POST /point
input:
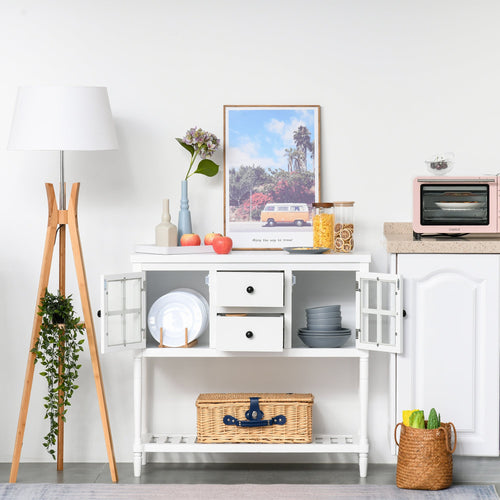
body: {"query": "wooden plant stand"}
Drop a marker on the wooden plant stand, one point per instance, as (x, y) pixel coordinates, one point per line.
(59, 219)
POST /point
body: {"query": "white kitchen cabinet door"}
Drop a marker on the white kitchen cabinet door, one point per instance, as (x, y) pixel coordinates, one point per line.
(451, 354)
(123, 322)
(378, 312)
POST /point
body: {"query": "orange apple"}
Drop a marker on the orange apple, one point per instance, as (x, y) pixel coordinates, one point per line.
(222, 244)
(209, 238)
(190, 240)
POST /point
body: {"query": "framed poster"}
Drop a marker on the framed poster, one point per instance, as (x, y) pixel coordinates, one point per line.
(271, 175)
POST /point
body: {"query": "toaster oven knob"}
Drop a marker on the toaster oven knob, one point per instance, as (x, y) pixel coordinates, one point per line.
(249, 334)
(250, 289)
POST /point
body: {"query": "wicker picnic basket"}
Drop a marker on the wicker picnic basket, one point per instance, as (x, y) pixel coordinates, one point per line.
(425, 459)
(254, 418)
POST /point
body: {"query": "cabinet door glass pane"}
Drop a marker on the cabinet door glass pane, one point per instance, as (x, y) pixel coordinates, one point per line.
(133, 327)
(370, 293)
(115, 295)
(388, 330)
(115, 331)
(370, 328)
(388, 299)
(133, 293)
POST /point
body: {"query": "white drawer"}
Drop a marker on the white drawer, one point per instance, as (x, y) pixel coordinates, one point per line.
(249, 333)
(249, 289)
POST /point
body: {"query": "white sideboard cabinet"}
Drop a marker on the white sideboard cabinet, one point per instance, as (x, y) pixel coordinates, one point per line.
(450, 359)
(265, 292)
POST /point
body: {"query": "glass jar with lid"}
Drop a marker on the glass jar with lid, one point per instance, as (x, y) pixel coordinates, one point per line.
(344, 226)
(323, 220)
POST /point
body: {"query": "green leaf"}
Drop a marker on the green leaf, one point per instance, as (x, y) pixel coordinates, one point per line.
(433, 420)
(207, 167)
(417, 419)
(186, 146)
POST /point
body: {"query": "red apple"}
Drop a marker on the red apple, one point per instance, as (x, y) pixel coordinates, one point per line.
(222, 244)
(209, 238)
(190, 240)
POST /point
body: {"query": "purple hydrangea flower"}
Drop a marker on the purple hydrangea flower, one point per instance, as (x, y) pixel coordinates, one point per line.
(204, 145)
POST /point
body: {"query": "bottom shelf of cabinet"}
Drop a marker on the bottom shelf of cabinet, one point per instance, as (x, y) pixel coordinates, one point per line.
(321, 443)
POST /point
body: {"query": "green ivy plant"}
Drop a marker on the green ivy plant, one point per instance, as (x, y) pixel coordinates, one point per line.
(59, 343)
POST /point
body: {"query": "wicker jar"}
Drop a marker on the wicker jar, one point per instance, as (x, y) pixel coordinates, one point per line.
(425, 459)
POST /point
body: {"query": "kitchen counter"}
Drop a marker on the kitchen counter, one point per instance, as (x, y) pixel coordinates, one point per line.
(399, 237)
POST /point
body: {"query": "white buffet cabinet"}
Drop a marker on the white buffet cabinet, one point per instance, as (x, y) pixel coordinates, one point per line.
(281, 287)
(451, 356)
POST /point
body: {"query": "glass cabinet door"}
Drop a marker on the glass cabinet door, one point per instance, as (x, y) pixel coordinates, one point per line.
(379, 312)
(123, 323)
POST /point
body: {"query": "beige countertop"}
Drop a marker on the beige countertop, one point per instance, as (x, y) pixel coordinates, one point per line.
(399, 237)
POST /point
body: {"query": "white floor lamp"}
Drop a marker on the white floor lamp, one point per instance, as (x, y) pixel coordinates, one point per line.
(63, 119)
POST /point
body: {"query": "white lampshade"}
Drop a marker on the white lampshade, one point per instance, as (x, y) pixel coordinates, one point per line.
(63, 119)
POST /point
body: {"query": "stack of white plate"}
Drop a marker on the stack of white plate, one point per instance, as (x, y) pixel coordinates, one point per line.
(324, 327)
(174, 312)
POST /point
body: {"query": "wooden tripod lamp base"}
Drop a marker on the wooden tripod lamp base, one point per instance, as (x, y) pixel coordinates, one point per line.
(62, 218)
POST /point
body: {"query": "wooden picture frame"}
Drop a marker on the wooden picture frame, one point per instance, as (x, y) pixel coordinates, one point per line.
(271, 175)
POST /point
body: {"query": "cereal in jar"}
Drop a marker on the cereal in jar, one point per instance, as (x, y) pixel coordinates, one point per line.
(323, 221)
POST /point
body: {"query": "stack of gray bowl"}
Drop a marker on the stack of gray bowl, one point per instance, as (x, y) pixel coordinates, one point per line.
(324, 327)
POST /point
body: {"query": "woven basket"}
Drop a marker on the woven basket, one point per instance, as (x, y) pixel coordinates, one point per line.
(273, 418)
(425, 459)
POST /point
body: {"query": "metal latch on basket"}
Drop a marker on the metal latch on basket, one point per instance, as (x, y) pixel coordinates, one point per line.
(254, 417)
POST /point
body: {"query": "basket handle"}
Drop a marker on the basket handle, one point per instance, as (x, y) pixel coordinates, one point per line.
(395, 429)
(446, 438)
(254, 417)
(445, 433)
(278, 420)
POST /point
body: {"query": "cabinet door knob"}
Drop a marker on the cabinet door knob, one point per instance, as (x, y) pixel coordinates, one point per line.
(250, 289)
(99, 313)
(404, 313)
(249, 334)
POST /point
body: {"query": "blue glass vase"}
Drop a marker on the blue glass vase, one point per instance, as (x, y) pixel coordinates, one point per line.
(184, 222)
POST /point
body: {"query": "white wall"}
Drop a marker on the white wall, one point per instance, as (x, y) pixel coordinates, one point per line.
(397, 81)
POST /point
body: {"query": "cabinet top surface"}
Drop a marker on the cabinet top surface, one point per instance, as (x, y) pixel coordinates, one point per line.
(399, 238)
(252, 257)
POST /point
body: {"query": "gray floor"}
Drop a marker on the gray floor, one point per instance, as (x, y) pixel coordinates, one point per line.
(466, 470)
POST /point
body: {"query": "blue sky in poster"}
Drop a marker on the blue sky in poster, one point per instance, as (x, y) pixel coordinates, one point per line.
(259, 136)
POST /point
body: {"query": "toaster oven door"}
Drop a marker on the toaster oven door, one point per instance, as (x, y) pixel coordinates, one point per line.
(458, 205)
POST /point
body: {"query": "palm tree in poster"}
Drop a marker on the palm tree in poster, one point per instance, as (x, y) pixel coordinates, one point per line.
(290, 154)
(302, 138)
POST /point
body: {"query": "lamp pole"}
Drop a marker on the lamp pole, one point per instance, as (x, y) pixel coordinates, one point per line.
(62, 291)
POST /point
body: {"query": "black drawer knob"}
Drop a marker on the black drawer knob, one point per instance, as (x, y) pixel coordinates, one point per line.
(99, 313)
(250, 289)
(249, 334)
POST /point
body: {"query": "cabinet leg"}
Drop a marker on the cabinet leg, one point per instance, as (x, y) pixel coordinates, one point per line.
(144, 458)
(363, 464)
(137, 464)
